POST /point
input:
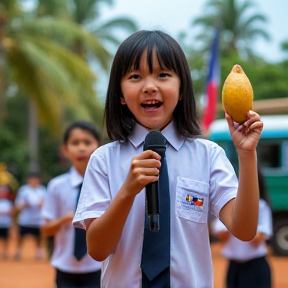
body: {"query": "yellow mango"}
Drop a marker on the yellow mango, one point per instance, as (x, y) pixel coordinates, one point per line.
(237, 94)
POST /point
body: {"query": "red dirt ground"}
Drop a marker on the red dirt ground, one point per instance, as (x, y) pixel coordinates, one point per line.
(31, 273)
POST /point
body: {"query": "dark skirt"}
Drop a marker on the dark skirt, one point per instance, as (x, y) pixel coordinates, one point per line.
(254, 273)
(81, 280)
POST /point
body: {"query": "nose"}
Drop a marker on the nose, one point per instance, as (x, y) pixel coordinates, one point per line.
(82, 146)
(149, 87)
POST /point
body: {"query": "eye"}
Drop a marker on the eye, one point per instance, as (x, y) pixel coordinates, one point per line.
(75, 142)
(134, 77)
(164, 75)
(87, 142)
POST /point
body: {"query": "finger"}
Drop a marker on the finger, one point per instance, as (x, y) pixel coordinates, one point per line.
(252, 117)
(150, 171)
(230, 122)
(149, 154)
(146, 175)
(145, 163)
(256, 126)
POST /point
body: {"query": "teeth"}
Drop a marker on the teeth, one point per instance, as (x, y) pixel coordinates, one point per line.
(151, 102)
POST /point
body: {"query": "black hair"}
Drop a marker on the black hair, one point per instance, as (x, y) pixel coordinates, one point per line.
(33, 174)
(84, 125)
(118, 118)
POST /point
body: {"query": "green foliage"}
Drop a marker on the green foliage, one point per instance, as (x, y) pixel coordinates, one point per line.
(237, 26)
(45, 70)
(13, 138)
(14, 146)
(44, 56)
(238, 30)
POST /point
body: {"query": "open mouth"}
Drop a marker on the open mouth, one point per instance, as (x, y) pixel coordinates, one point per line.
(151, 104)
(81, 158)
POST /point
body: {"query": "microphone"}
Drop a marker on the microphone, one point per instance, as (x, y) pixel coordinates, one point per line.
(156, 142)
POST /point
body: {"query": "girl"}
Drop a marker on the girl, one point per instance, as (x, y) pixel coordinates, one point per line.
(248, 266)
(28, 203)
(80, 140)
(150, 88)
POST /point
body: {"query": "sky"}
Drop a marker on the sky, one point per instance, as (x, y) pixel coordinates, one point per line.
(174, 16)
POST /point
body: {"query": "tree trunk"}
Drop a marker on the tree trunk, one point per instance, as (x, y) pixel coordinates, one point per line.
(33, 138)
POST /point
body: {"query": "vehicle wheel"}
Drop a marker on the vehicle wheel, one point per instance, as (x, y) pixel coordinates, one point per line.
(279, 241)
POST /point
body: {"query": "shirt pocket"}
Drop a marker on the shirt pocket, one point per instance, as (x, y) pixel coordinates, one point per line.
(192, 200)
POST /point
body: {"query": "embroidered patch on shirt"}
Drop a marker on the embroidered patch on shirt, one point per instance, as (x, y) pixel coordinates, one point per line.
(192, 200)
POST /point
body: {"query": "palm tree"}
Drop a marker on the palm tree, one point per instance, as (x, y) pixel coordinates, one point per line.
(237, 26)
(34, 55)
(87, 14)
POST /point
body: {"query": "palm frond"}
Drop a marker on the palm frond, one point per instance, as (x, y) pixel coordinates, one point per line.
(66, 33)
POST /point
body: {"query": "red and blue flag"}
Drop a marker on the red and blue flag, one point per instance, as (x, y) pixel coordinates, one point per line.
(212, 85)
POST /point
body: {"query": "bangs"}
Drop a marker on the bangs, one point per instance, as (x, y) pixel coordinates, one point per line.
(149, 42)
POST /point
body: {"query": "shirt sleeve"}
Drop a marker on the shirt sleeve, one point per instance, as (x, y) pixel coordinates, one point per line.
(50, 209)
(95, 195)
(223, 180)
(265, 219)
(20, 198)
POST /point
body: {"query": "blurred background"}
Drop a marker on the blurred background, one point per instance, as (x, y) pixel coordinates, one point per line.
(55, 59)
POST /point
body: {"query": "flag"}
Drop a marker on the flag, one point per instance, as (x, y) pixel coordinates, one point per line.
(212, 85)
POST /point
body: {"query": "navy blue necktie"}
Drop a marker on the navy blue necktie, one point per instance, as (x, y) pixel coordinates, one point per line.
(80, 246)
(155, 263)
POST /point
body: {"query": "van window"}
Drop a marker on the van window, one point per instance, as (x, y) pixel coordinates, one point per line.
(269, 155)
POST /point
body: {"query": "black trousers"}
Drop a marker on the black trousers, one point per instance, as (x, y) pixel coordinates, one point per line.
(254, 273)
(73, 280)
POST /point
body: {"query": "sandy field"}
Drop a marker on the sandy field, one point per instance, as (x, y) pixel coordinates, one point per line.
(29, 272)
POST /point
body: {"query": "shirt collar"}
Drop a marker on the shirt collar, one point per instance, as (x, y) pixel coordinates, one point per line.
(139, 133)
(75, 178)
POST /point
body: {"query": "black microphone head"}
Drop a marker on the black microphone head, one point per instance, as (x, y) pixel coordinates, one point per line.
(154, 141)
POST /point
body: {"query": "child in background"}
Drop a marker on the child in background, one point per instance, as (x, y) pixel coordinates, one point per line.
(248, 266)
(8, 189)
(150, 88)
(6, 212)
(80, 140)
(28, 204)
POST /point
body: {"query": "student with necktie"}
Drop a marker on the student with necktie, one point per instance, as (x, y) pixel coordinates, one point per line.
(74, 267)
(150, 89)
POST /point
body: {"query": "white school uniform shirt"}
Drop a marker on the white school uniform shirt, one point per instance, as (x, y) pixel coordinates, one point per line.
(60, 200)
(5, 216)
(196, 167)
(30, 216)
(235, 249)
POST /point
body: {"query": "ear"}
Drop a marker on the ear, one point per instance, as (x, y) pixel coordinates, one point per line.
(64, 150)
(122, 100)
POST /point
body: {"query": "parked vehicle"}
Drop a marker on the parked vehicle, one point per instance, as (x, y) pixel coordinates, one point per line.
(272, 152)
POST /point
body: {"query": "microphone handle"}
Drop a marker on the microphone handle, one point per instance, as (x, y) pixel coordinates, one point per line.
(152, 198)
(153, 206)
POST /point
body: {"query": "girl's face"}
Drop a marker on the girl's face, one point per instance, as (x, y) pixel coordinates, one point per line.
(80, 145)
(34, 181)
(151, 97)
